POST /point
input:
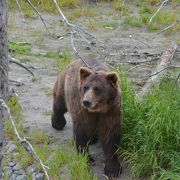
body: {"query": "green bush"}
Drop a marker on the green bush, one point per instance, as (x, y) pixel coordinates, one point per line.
(151, 131)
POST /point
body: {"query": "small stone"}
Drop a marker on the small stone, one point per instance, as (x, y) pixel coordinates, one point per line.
(11, 148)
(16, 167)
(38, 176)
(21, 177)
(13, 177)
(17, 172)
(9, 171)
(11, 164)
(31, 169)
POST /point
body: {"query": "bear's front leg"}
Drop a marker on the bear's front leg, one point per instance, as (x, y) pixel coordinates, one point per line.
(112, 165)
(58, 120)
(82, 140)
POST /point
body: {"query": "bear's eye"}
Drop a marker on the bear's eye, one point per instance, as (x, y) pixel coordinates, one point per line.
(85, 88)
(97, 90)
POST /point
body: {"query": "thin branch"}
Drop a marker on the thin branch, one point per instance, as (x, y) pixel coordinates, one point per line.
(16, 82)
(61, 14)
(123, 3)
(19, 7)
(15, 61)
(168, 27)
(137, 66)
(158, 72)
(160, 7)
(133, 62)
(29, 148)
(177, 78)
(30, 3)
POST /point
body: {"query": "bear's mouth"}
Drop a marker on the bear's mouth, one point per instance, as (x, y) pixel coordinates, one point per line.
(100, 109)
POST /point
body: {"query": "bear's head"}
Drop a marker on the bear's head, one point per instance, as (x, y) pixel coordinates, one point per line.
(98, 89)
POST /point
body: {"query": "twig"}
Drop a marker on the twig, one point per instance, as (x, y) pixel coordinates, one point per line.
(133, 62)
(158, 72)
(76, 52)
(16, 82)
(160, 7)
(123, 3)
(30, 3)
(19, 7)
(136, 66)
(29, 148)
(168, 27)
(15, 61)
(177, 78)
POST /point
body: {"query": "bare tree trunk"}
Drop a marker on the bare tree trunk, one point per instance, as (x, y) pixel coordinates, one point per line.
(3, 76)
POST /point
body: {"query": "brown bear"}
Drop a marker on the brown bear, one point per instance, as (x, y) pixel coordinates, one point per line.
(92, 97)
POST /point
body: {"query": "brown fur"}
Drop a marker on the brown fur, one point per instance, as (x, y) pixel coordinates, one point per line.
(79, 87)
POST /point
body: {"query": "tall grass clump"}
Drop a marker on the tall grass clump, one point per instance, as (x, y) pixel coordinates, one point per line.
(151, 131)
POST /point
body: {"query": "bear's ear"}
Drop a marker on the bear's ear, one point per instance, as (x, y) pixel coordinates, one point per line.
(113, 78)
(84, 73)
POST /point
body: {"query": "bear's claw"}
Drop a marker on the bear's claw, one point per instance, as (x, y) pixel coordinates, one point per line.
(113, 169)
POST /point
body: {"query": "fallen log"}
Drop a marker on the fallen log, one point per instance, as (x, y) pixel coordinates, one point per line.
(160, 70)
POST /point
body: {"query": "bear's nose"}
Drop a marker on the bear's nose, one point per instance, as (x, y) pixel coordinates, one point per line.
(87, 103)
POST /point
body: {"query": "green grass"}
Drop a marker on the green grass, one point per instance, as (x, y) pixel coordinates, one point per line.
(151, 135)
(43, 5)
(63, 60)
(133, 21)
(110, 25)
(119, 6)
(67, 159)
(19, 48)
(163, 19)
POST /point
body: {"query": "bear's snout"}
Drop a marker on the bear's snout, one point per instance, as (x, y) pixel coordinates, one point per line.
(87, 103)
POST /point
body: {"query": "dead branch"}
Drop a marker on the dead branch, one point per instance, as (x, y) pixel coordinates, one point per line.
(26, 67)
(137, 66)
(177, 78)
(123, 3)
(29, 148)
(160, 7)
(35, 9)
(19, 7)
(16, 82)
(132, 62)
(160, 69)
(168, 27)
(169, 67)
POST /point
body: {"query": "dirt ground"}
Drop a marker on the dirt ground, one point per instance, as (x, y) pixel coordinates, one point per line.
(36, 96)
